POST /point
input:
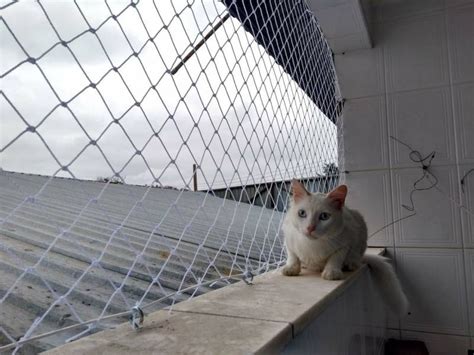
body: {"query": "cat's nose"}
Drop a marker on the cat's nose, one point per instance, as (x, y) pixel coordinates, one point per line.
(311, 228)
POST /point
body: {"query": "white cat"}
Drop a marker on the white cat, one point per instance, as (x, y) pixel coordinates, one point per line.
(322, 234)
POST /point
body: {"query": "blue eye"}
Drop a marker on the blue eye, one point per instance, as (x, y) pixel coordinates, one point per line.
(324, 216)
(302, 213)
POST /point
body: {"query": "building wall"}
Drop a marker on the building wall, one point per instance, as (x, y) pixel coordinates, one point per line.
(274, 195)
(417, 84)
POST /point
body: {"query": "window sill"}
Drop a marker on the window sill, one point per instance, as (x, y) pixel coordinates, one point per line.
(238, 318)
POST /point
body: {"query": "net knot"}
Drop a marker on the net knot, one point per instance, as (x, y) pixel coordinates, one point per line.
(95, 263)
(248, 277)
(136, 317)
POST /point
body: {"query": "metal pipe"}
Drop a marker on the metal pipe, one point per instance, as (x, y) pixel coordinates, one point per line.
(208, 35)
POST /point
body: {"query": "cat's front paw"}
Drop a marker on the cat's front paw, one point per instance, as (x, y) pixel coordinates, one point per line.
(332, 274)
(291, 270)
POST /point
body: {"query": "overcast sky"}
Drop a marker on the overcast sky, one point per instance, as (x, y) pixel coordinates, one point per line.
(252, 104)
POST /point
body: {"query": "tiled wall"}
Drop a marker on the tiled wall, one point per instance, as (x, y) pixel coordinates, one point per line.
(417, 84)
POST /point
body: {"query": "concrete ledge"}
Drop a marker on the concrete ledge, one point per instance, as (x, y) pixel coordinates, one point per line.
(236, 319)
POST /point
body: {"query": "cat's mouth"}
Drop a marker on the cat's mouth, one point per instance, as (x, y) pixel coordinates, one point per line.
(311, 235)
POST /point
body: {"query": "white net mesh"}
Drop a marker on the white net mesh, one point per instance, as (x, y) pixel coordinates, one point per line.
(112, 113)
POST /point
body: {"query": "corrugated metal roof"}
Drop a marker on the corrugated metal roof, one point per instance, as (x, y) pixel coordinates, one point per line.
(59, 226)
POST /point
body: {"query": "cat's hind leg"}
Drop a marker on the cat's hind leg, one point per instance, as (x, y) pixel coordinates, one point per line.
(293, 265)
(353, 261)
(352, 265)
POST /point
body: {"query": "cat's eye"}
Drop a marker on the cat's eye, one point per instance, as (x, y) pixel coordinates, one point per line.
(324, 216)
(302, 213)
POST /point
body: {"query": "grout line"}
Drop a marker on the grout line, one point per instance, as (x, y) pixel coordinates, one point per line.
(457, 148)
(389, 168)
(468, 3)
(401, 168)
(228, 316)
(430, 247)
(391, 228)
(386, 92)
(388, 131)
(436, 333)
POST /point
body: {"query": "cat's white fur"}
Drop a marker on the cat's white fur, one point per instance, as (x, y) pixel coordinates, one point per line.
(330, 237)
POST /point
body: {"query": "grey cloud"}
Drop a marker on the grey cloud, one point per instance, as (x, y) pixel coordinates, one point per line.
(248, 120)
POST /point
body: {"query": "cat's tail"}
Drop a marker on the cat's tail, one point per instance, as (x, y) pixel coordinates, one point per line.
(387, 284)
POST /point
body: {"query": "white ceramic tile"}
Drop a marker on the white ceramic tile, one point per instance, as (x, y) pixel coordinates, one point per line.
(455, 3)
(318, 338)
(365, 134)
(390, 10)
(360, 73)
(394, 334)
(433, 280)
(440, 344)
(415, 53)
(365, 317)
(467, 209)
(464, 112)
(437, 221)
(469, 260)
(363, 187)
(423, 120)
(375, 311)
(393, 322)
(357, 300)
(354, 305)
(461, 38)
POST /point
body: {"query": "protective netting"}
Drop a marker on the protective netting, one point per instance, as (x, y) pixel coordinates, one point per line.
(112, 113)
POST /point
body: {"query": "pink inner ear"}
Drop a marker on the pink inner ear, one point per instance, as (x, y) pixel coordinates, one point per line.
(298, 190)
(338, 195)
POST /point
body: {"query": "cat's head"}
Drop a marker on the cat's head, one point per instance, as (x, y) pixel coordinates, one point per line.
(316, 214)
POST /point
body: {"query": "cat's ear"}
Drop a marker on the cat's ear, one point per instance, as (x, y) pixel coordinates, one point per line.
(338, 196)
(298, 190)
